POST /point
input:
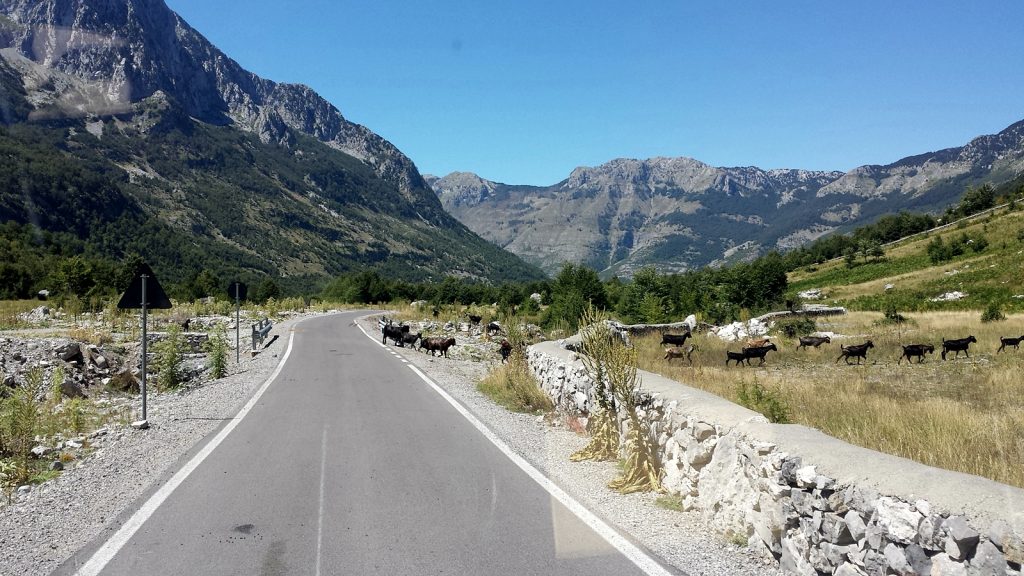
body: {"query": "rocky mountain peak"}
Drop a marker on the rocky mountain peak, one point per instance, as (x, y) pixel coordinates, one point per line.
(462, 189)
(127, 50)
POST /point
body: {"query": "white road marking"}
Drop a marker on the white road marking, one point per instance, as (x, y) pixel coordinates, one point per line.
(631, 551)
(320, 513)
(110, 548)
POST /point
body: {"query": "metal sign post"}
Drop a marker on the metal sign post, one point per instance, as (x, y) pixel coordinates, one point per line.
(144, 344)
(239, 290)
(238, 349)
(144, 292)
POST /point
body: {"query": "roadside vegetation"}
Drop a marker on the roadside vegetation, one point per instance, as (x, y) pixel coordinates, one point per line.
(36, 409)
(512, 383)
(964, 414)
(37, 413)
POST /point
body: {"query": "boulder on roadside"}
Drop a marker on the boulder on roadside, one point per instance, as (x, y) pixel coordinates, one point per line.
(125, 381)
(71, 352)
(71, 389)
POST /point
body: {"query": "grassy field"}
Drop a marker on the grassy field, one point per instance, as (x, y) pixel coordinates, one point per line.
(965, 414)
(993, 274)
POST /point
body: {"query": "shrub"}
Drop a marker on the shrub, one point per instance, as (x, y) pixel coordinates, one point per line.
(795, 326)
(217, 346)
(75, 415)
(21, 417)
(170, 358)
(993, 313)
(768, 402)
(892, 315)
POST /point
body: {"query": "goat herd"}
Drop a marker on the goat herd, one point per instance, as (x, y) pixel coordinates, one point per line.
(402, 336)
(760, 347)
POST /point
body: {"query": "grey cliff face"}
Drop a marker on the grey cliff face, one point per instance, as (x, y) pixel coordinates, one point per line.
(679, 213)
(128, 50)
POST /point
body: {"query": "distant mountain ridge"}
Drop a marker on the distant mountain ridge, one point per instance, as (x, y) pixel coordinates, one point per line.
(680, 213)
(136, 76)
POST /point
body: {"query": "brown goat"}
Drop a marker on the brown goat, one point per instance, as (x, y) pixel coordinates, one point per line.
(671, 353)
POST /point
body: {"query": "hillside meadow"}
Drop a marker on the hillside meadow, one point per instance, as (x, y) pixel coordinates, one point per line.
(963, 414)
(991, 274)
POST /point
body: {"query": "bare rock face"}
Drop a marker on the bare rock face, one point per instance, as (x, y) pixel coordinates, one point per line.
(124, 51)
(680, 213)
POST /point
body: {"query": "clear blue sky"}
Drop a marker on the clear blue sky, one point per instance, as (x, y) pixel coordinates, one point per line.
(523, 92)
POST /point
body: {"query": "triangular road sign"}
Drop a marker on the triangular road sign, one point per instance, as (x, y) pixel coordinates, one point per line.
(155, 295)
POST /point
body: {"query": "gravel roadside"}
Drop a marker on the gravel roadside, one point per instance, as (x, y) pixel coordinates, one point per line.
(682, 539)
(45, 527)
(42, 529)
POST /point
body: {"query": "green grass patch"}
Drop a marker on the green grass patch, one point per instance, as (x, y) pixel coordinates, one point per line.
(670, 502)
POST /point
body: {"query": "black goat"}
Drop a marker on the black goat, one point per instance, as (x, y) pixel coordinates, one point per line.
(959, 345)
(1009, 341)
(674, 339)
(857, 351)
(918, 350)
(814, 341)
(758, 352)
(735, 356)
(393, 332)
(474, 319)
(410, 339)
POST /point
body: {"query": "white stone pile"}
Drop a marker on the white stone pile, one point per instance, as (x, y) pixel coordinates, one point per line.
(742, 330)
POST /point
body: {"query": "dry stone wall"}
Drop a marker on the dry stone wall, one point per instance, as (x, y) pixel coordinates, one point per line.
(813, 503)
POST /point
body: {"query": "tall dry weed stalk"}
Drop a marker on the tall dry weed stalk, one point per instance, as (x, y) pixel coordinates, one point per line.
(603, 424)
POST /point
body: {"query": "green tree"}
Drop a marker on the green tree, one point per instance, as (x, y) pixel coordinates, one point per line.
(574, 287)
(643, 299)
(74, 276)
(266, 290)
(206, 284)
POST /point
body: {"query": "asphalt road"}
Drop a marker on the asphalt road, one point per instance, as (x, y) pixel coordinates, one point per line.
(349, 463)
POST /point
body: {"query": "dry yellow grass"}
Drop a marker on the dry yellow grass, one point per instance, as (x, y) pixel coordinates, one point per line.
(965, 414)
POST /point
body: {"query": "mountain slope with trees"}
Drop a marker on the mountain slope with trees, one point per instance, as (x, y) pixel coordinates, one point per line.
(127, 135)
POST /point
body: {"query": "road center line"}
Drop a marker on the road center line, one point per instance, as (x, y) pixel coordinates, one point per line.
(320, 513)
(111, 547)
(641, 559)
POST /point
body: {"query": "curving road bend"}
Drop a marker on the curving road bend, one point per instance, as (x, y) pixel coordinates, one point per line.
(350, 463)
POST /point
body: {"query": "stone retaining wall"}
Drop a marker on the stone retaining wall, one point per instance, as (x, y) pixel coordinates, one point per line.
(815, 504)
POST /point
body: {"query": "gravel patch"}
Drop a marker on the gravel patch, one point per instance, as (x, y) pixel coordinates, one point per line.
(682, 539)
(41, 529)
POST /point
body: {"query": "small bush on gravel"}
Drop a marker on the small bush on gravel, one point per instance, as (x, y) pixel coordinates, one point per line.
(20, 418)
(670, 502)
(513, 386)
(217, 346)
(170, 358)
